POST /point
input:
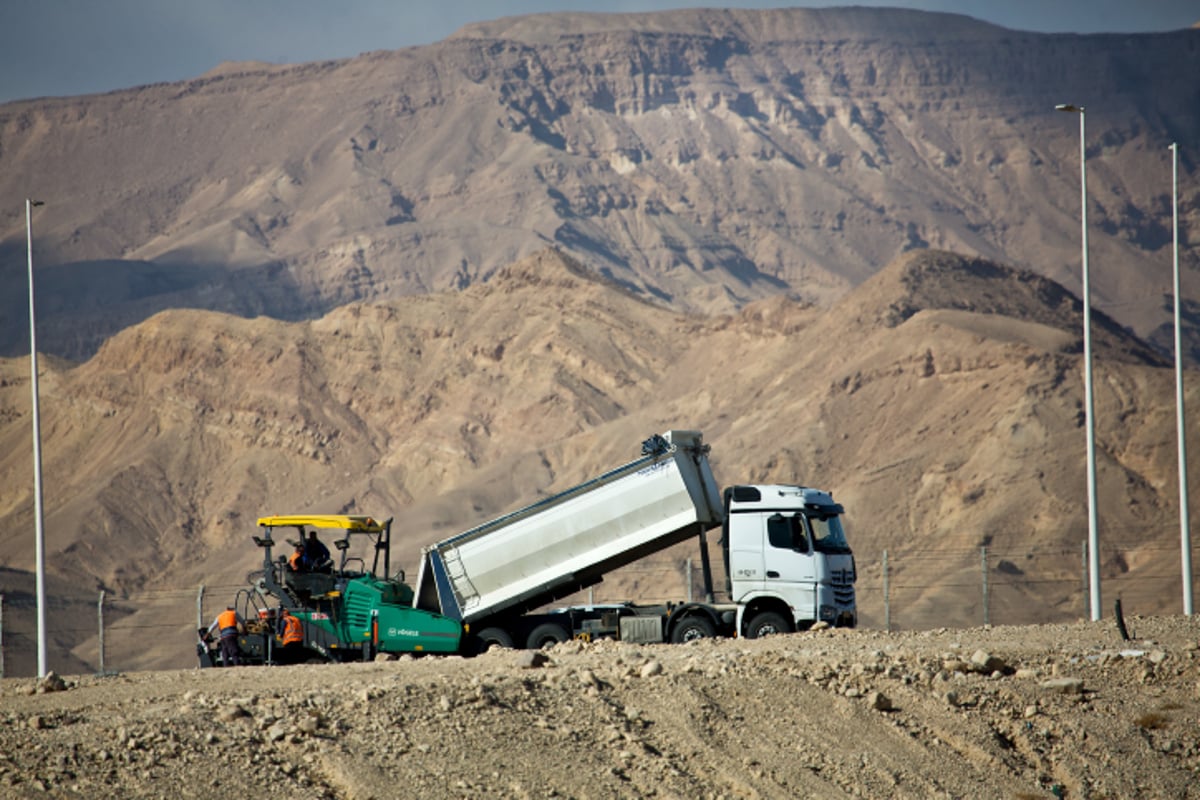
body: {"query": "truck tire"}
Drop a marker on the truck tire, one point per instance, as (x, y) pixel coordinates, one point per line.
(691, 628)
(546, 634)
(767, 623)
(493, 636)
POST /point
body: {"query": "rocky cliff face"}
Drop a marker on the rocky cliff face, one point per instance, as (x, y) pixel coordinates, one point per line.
(703, 159)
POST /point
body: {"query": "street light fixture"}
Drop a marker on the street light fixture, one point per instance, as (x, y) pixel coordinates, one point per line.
(1185, 539)
(1089, 411)
(37, 454)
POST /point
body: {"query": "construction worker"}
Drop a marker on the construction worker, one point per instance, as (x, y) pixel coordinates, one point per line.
(291, 630)
(297, 562)
(317, 554)
(228, 622)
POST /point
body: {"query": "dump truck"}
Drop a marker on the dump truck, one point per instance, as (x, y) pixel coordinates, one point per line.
(347, 609)
(786, 558)
(787, 565)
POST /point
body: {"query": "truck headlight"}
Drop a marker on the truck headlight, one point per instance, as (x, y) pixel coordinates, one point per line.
(827, 613)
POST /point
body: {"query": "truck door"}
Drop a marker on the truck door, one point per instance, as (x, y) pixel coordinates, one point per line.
(746, 544)
(789, 565)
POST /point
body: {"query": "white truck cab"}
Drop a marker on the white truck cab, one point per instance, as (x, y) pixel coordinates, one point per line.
(787, 559)
(785, 555)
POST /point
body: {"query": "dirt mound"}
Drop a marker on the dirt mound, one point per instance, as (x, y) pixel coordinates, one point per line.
(1043, 711)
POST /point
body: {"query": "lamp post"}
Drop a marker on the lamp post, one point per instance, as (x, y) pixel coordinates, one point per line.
(37, 454)
(1089, 410)
(1185, 539)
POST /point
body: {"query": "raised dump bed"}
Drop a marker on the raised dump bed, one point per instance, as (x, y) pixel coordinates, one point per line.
(560, 544)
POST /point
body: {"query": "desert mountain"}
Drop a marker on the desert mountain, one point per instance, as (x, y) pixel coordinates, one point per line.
(940, 401)
(705, 158)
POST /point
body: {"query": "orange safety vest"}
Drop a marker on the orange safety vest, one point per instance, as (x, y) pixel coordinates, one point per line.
(293, 631)
(294, 561)
(227, 620)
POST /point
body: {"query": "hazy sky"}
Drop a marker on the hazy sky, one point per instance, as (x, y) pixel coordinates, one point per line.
(63, 47)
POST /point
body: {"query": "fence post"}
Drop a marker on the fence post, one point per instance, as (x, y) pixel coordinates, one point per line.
(1, 635)
(987, 620)
(689, 579)
(100, 616)
(887, 603)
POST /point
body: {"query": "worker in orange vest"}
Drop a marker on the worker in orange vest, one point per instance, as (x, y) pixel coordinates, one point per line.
(229, 624)
(291, 630)
(298, 563)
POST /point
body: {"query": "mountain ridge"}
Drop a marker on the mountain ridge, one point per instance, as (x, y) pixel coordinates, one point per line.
(704, 171)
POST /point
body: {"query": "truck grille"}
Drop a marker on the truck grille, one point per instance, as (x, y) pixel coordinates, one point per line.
(842, 581)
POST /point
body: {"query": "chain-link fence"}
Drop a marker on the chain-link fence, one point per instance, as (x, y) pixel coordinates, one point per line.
(926, 588)
(110, 633)
(906, 589)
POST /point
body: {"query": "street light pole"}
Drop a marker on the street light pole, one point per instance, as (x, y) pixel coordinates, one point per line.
(1089, 398)
(1185, 539)
(37, 453)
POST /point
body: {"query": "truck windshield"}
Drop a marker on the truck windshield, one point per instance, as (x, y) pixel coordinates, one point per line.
(828, 535)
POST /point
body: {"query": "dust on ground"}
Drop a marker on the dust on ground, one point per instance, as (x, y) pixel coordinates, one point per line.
(1019, 712)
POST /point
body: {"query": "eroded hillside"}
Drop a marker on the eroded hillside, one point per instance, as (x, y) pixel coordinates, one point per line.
(940, 401)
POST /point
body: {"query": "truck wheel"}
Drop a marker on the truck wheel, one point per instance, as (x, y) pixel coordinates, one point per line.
(545, 635)
(765, 624)
(493, 636)
(691, 628)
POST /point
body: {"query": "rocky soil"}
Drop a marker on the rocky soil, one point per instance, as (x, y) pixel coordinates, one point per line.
(1019, 712)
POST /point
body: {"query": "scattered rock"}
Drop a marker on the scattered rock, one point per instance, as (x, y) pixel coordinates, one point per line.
(879, 701)
(1063, 685)
(532, 659)
(51, 682)
(986, 663)
(231, 712)
(651, 668)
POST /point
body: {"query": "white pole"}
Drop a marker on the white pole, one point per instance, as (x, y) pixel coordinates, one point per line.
(887, 602)
(37, 455)
(987, 620)
(1185, 539)
(1093, 530)
(100, 618)
(1089, 401)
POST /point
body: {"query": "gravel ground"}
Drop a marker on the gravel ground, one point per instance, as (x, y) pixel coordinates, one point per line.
(1017, 712)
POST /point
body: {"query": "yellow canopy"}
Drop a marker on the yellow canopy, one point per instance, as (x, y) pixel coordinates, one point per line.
(348, 522)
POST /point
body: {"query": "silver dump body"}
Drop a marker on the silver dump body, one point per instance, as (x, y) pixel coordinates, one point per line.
(560, 544)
